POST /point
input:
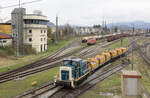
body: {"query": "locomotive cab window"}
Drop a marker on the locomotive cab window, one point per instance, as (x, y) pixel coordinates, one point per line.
(65, 63)
(74, 63)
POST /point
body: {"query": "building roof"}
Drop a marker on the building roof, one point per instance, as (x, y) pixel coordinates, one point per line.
(5, 23)
(131, 74)
(35, 16)
(5, 36)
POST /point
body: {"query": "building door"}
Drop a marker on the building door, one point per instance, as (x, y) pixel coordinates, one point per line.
(41, 47)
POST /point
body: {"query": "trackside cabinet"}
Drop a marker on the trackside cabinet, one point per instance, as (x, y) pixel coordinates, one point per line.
(131, 83)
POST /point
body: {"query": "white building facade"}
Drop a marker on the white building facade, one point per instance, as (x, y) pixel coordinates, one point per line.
(35, 31)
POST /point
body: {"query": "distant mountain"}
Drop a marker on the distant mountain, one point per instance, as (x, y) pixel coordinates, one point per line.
(50, 24)
(8, 21)
(129, 25)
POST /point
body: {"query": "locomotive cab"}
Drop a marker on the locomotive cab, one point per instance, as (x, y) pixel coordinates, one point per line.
(71, 72)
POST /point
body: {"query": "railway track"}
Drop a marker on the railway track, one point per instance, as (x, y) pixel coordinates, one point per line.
(38, 91)
(60, 92)
(35, 68)
(47, 60)
(142, 54)
(32, 69)
(98, 76)
(51, 56)
(95, 50)
(147, 61)
(92, 81)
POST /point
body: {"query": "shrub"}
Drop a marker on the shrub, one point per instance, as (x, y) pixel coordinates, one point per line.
(3, 54)
(6, 51)
(29, 50)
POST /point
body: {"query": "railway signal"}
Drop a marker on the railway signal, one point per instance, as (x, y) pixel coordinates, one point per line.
(129, 59)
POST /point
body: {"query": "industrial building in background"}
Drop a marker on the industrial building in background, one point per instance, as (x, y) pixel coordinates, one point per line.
(6, 28)
(29, 30)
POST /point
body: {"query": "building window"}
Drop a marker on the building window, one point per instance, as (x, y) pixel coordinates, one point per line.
(41, 31)
(30, 31)
(30, 39)
(44, 38)
(41, 39)
(31, 21)
(35, 21)
(4, 41)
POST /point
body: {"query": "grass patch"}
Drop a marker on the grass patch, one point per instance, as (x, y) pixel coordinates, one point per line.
(6, 51)
(13, 88)
(110, 85)
(118, 44)
(16, 63)
(83, 44)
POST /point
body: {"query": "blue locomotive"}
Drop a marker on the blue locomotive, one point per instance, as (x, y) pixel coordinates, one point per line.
(72, 72)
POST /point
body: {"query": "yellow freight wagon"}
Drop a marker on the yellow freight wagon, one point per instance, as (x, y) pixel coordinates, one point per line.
(124, 50)
(93, 63)
(6, 28)
(113, 53)
(119, 51)
(101, 59)
(107, 56)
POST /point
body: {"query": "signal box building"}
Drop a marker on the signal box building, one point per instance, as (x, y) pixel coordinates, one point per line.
(35, 31)
(30, 30)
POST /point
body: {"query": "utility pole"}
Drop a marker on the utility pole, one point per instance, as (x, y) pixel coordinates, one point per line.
(112, 27)
(132, 50)
(105, 27)
(18, 33)
(68, 31)
(121, 41)
(19, 3)
(56, 40)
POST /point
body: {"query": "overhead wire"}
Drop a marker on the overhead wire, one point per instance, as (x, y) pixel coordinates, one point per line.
(24, 3)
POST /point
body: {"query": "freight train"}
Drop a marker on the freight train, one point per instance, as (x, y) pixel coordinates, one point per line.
(75, 70)
(109, 37)
(116, 36)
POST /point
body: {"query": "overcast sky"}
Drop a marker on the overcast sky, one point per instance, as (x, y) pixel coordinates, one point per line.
(86, 12)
